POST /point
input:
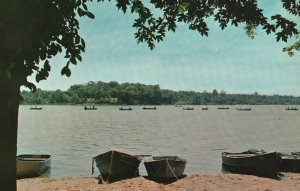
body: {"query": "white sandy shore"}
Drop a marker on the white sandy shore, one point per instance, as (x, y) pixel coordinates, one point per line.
(201, 182)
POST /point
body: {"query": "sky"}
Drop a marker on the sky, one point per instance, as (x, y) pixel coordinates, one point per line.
(225, 60)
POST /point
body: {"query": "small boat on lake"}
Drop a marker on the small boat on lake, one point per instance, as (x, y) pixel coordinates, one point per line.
(253, 162)
(165, 167)
(295, 153)
(204, 108)
(125, 108)
(223, 107)
(188, 108)
(290, 162)
(32, 165)
(291, 108)
(243, 109)
(90, 107)
(115, 165)
(36, 108)
(149, 108)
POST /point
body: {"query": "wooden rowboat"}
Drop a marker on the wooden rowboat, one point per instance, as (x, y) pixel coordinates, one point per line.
(165, 167)
(253, 162)
(31, 165)
(115, 165)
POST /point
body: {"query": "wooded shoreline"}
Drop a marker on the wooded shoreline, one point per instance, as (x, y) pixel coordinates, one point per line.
(114, 93)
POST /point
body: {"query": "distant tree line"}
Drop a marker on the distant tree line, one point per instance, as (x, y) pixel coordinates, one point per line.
(141, 94)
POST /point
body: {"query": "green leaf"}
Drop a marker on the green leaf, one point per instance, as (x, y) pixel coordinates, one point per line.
(66, 71)
(90, 15)
(47, 67)
(84, 6)
(80, 12)
(79, 57)
(73, 60)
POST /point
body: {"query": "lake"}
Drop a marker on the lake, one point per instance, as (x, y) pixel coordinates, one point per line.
(73, 136)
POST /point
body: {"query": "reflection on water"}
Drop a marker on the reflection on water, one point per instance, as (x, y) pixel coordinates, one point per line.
(73, 136)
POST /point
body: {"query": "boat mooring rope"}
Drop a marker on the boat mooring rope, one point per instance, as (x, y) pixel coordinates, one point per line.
(171, 170)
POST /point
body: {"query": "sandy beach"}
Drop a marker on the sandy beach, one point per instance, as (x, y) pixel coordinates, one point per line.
(201, 182)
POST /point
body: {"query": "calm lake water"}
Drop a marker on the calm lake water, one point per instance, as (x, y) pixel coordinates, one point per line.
(73, 136)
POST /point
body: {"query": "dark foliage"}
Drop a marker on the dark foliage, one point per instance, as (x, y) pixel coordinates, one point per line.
(140, 94)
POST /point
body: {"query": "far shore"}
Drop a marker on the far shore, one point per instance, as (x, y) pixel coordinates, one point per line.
(193, 182)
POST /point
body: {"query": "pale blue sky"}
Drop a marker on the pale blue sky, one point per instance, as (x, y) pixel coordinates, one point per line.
(225, 60)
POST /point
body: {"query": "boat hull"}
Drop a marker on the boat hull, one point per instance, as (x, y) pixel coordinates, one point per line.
(115, 165)
(259, 164)
(32, 165)
(290, 163)
(165, 167)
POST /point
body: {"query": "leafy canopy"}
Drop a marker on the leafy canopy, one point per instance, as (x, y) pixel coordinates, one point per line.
(34, 31)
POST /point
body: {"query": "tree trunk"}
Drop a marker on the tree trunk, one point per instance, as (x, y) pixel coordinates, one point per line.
(9, 108)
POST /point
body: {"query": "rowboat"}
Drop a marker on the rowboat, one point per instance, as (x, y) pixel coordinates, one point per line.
(32, 165)
(36, 108)
(115, 165)
(125, 108)
(90, 108)
(253, 162)
(223, 107)
(243, 109)
(291, 108)
(188, 108)
(153, 108)
(165, 167)
(204, 108)
(290, 162)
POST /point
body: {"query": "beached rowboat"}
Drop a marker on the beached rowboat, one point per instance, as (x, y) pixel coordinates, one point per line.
(115, 165)
(290, 162)
(31, 165)
(253, 162)
(164, 167)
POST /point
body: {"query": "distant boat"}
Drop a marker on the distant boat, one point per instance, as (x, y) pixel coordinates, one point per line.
(291, 108)
(90, 107)
(295, 153)
(153, 108)
(243, 109)
(36, 108)
(223, 107)
(178, 105)
(32, 165)
(253, 162)
(165, 167)
(188, 108)
(290, 162)
(204, 108)
(125, 108)
(115, 165)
